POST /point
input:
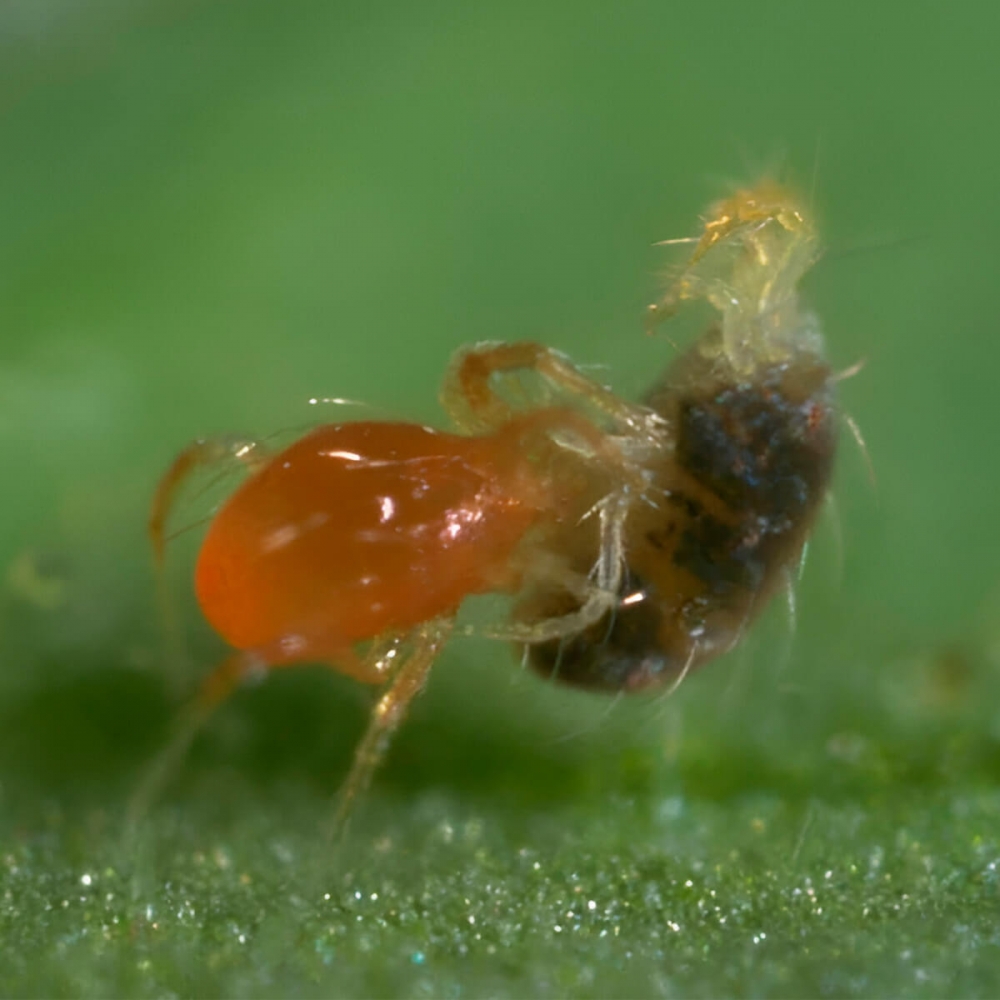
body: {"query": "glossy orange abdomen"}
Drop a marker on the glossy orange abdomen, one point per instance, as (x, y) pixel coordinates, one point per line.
(360, 529)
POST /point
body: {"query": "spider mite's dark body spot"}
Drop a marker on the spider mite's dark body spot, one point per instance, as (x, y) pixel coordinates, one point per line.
(732, 506)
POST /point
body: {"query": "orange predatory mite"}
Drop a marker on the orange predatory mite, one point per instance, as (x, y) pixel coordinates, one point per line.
(638, 540)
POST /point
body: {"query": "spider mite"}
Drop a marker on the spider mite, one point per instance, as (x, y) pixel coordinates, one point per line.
(739, 466)
(638, 540)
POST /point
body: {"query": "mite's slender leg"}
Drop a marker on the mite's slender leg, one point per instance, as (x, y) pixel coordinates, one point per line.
(389, 711)
(206, 451)
(235, 667)
(475, 406)
(598, 596)
(377, 663)
(215, 689)
(595, 606)
(380, 660)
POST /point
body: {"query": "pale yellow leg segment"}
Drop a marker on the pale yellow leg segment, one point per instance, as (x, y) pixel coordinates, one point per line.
(598, 595)
(388, 713)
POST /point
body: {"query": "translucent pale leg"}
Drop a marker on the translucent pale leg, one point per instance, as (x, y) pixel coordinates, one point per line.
(205, 451)
(198, 454)
(475, 406)
(372, 668)
(387, 715)
(215, 689)
(598, 596)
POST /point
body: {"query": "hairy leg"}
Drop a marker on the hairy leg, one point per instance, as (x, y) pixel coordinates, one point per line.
(377, 663)
(199, 454)
(203, 452)
(475, 406)
(425, 645)
(215, 689)
(598, 594)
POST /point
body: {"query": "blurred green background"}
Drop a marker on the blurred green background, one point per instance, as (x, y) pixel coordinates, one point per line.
(213, 212)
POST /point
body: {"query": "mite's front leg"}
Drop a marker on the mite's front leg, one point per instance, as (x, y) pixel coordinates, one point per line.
(476, 407)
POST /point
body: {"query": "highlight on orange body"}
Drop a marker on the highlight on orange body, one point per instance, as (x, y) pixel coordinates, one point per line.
(638, 540)
(361, 528)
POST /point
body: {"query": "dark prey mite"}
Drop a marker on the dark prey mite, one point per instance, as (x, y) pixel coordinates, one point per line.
(746, 449)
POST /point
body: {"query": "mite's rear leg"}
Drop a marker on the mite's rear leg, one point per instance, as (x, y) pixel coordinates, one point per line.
(372, 668)
(228, 674)
(475, 405)
(424, 646)
(199, 454)
(215, 689)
